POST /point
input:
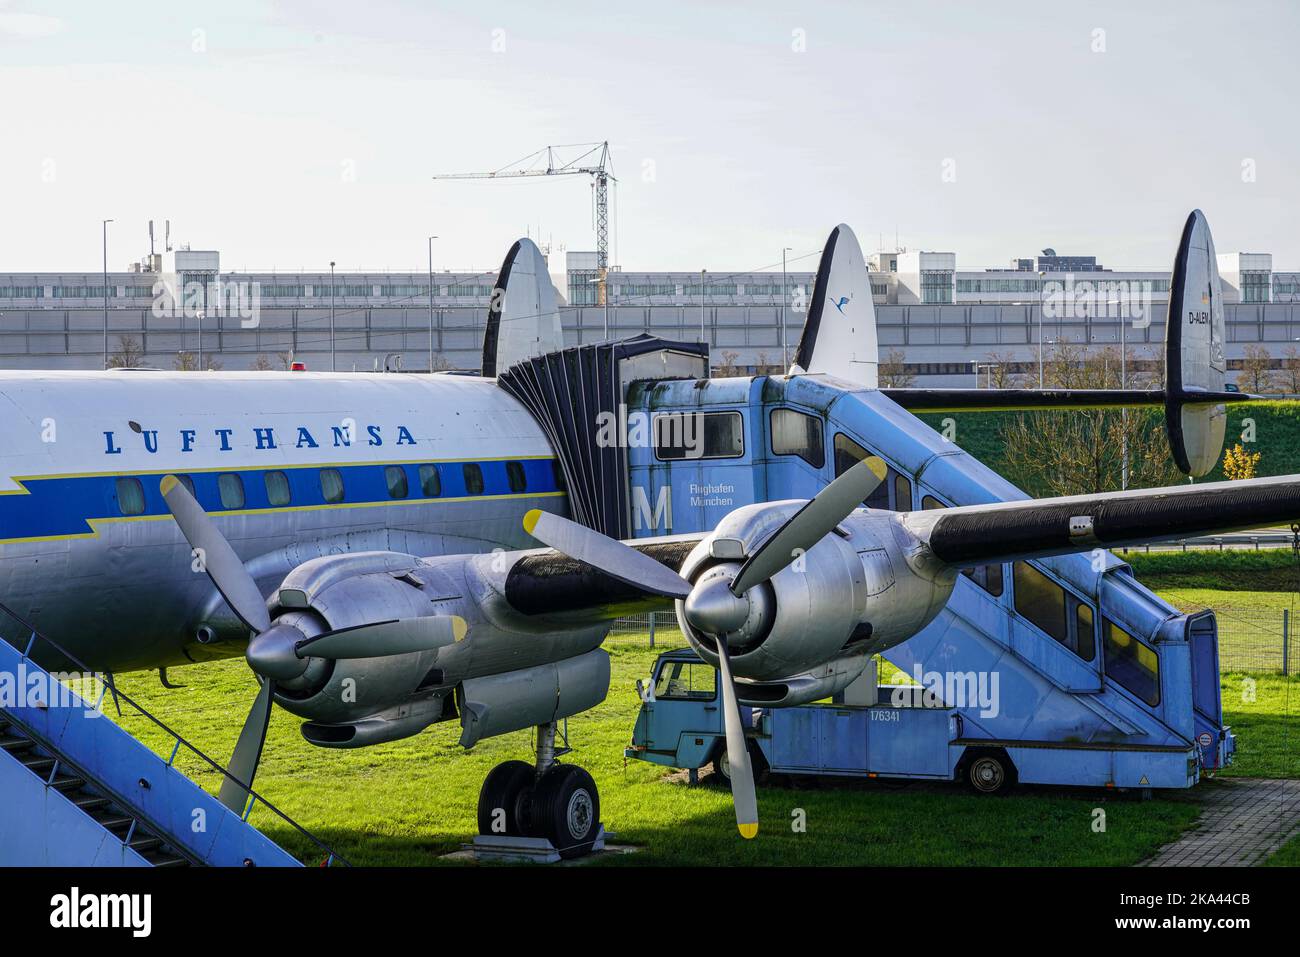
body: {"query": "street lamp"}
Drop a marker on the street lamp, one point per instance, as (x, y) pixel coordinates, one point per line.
(104, 225)
(431, 239)
(702, 274)
(332, 369)
(1042, 285)
(785, 348)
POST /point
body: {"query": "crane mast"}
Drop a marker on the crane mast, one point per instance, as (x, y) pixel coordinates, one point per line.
(593, 161)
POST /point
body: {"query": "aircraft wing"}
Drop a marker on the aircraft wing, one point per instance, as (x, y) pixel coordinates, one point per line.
(1024, 400)
(1009, 531)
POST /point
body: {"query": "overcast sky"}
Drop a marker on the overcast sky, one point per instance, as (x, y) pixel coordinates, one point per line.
(288, 134)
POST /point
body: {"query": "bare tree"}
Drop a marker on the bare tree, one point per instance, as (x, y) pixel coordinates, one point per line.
(1083, 451)
(1256, 370)
(189, 362)
(129, 354)
(261, 364)
(1288, 378)
(997, 371)
(893, 372)
(728, 365)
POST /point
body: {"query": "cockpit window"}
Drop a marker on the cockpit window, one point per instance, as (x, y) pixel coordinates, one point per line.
(795, 433)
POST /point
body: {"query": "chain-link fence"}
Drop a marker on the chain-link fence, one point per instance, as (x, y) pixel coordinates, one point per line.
(1256, 639)
(1250, 639)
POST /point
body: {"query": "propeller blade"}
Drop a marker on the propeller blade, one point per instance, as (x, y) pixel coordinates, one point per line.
(219, 559)
(742, 773)
(248, 751)
(398, 637)
(607, 554)
(808, 526)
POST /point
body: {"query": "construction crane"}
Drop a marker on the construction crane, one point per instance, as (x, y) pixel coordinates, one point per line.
(594, 161)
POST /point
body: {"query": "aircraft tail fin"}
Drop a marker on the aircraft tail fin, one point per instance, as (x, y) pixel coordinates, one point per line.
(839, 334)
(523, 317)
(1194, 358)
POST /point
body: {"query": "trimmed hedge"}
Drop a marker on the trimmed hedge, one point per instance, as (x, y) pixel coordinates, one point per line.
(1270, 569)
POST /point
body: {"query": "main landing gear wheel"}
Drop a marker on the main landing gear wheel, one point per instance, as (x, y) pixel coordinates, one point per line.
(564, 808)
(498, 799)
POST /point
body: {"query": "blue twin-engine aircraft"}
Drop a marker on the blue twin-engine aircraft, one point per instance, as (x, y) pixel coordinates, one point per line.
(369, 543)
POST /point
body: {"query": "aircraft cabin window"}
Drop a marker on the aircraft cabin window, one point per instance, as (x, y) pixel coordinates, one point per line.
(331, 485)
(473, 474)
(130, 496)
(231, 487)
(1054, 610)
(794, 433)
(1131, 663)
(902, 493)
(395, 477)
(699, 435)
(685, 679)
(515, 474)
(430, 481)
(848, 454)
(277, 488)
(989, 577)
(188, 483)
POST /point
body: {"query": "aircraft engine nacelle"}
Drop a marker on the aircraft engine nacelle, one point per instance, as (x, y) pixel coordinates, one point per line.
(864, 588)
(380, 698)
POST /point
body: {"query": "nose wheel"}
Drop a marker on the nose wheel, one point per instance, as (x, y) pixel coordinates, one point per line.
(557, 802)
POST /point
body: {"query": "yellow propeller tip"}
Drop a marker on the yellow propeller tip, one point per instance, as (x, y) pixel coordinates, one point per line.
(748, 831)
(531, 518)
(878, 467)
(458, 627)
(168, 483)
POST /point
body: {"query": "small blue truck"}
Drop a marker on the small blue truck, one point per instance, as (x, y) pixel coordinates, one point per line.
(880, 731)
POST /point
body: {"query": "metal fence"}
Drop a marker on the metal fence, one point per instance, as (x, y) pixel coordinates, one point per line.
(1250, 639)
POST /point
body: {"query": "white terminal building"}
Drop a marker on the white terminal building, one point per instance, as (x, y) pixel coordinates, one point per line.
(940, 321)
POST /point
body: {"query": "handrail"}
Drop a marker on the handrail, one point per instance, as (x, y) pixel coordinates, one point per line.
(332, 856)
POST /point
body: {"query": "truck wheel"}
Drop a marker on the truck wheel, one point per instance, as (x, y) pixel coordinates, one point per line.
(499, 797)
(564, 808)
(989, 772)
(722, 766)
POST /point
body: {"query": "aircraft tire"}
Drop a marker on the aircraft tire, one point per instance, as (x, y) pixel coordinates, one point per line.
(565, 809)
(501, 791)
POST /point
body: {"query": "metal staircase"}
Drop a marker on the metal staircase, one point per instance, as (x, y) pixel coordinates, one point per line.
(78, 790)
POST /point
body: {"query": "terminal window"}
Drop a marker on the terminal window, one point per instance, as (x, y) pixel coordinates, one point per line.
(794, 433)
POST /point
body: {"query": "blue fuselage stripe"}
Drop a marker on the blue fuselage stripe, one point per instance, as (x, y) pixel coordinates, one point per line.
(64, 506)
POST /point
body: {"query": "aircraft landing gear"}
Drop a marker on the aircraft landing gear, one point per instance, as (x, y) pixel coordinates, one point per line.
(558, 802)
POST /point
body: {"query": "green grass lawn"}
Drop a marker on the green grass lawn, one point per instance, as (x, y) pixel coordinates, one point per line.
(407, 802)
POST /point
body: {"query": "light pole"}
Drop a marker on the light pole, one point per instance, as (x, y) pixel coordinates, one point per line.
(104, 225)
(1042, 284)
(702, 274)
(431, 239)
(332, 369)
(785, 348)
